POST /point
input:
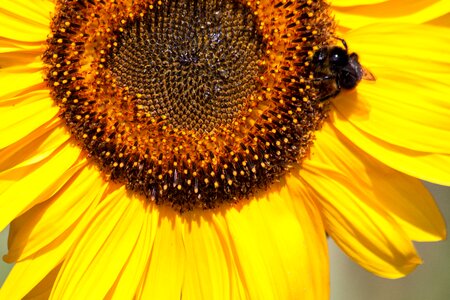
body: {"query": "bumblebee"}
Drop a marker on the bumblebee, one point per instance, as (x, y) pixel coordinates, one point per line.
(336, 65)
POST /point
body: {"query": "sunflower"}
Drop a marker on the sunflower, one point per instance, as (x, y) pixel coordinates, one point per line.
(161, 150)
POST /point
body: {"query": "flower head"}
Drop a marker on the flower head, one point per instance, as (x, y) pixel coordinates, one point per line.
(204, 149)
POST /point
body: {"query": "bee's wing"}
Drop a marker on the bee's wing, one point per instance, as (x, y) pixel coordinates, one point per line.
(367, 75)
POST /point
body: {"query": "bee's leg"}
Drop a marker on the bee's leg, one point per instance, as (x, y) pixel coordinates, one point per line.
(334, 93)
(329, 96)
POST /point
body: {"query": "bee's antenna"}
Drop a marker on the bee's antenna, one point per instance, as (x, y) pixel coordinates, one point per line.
(344, 43)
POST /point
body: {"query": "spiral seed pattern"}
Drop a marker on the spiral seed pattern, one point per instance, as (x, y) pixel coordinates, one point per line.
(194, 62)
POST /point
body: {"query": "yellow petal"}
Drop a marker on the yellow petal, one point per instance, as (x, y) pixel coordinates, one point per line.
(315, 246)
(430, 167)
(22, 188)
(23, 99)
(37, 10)
(207, 270)
(11, 45)
(30, 79)
(358, 224)
(20, 56)
(404, 198)
(34, 147)
(88, 271)
(128, 281)
(44, 223)
(400, 109)
(20, 120)
(441, 21)
(356, 3)
(25, 20)
(283, 243)
(42, 290)
(384, 45)
(237, 288)
(400, 11)
(27, 274)
(25, 58)
(165, 272)
(14, 53)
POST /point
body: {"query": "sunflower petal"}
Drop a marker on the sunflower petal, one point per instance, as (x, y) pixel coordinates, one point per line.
(14, 53)
(35, 147)
(354, 3)
(25, 20)
(128, 281)
(113, 232)
(37, 267)
(358, 223)
(271, 240)
(166, 267)
(404, 48)
(19, 121)
(208, 277)
(26, 58)
(46, 222)
(431, 167)
(26, 275)
(43, 289)
(400, 11)
(37, 182)
(315, 246)
(419, 122)
(403, 197)
(11, 45)
(237, 288)
(30, 79)
(443, 21)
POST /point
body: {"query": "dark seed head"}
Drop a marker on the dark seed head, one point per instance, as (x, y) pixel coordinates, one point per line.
(189, 103)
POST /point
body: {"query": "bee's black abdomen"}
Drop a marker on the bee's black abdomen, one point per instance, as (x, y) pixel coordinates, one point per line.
(348, 79)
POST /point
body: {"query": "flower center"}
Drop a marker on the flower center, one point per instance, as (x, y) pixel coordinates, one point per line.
(189, 103)
(194, 62)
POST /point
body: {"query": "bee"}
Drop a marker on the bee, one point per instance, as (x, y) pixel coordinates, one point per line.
(336, 64)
